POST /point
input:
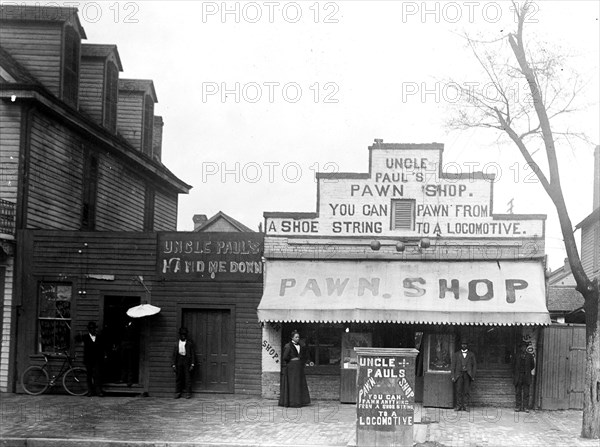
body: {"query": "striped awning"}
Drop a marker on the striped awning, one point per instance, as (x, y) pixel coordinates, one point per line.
(460, 293)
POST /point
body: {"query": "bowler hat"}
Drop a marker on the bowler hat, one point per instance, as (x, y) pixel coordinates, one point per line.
(183, 330)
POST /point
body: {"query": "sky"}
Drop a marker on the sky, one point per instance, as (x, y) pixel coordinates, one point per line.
(258, 96)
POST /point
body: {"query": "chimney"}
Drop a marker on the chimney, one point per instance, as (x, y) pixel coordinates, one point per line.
(135, 115)
(596, 178)
(199, 220)
(157, 138)
(567, 266)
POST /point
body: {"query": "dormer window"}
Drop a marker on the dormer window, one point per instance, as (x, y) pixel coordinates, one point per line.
(148, 124)
(111, 92)
(70, 86)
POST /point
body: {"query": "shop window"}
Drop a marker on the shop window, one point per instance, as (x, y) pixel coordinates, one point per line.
(54, 317)
(111, 92)
(71, 66)
(148, 124)
(403, 214)
(324, 343)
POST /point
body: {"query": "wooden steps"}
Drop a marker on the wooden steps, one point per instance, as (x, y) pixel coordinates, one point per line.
(493, 388)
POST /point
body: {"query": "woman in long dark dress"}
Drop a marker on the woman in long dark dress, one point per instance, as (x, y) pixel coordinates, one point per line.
(293, 387)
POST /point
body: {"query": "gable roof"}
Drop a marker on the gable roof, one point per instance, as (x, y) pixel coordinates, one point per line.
(20, 74)
(138, 85)
(230, 220)
(101, 51)
(593, 217)
(564, 299)
(38, 13)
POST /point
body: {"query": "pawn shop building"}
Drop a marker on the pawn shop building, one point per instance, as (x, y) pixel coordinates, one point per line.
(404, 255)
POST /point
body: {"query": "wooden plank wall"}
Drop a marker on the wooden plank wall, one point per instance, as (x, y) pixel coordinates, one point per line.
(173, 296)
(55, 176)
(65, 256)
(165, 211)
(10, 128)
(36, 46)
(91, 87)
(562, 367)
(129, 117)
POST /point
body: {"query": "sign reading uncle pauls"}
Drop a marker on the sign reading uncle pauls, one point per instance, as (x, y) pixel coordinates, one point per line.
(385, 396)
(214, 256)
(408, 191)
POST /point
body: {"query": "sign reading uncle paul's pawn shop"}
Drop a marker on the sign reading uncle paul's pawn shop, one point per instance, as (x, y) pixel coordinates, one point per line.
(406, 193)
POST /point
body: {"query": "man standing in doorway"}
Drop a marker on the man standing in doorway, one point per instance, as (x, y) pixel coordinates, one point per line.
(523, 365)
(93, 356)
(463, 369)
(183, 361)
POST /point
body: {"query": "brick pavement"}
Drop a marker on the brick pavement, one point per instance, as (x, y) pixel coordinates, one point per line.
(226, 420)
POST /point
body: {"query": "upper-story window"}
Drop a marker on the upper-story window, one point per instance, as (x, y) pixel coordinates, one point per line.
(403, 214)
(149, 209)
(111, 92)
(71, 66)
(148, 123)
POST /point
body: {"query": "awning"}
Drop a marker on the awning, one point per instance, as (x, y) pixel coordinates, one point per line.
(473, 293)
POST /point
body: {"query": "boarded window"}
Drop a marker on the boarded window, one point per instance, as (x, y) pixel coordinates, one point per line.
(90, 182)
(148, 124)
(71, 66)
(111, 92)
(149, 210)
(403, 214)
(54, 317)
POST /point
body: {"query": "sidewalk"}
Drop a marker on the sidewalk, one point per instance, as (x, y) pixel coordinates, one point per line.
(227, 420)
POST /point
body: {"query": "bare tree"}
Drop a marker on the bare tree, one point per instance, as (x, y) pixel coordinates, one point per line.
(528, 122)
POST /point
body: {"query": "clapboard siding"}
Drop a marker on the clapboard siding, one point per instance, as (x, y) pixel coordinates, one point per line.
(55, 177)
(91, 88)
(129, 117)
(79, 257)
(6, 327)
(120, 199)
(10, 128)
(38, 48)
(165, 211)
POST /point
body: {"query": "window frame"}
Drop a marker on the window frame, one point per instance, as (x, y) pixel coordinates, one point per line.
(148, 124)
(60, 318)
(90, 191)
(111, 96)
(70, 66)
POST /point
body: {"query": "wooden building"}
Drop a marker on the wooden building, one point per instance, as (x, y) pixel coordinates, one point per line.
(404, 255)
(80, 153)
(209, 282)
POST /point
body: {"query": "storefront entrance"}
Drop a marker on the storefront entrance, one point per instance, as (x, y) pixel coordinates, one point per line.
(122, 338)
(212, 330)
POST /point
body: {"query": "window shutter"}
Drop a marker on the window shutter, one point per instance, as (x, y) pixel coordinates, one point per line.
(111, 92)
(403, 214)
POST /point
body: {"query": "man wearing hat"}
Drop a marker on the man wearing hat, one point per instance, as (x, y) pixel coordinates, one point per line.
(523, 365)
(183, 361)
(93, 355)
(463, 369)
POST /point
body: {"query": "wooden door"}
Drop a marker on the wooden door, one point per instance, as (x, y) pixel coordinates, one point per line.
(212, 331)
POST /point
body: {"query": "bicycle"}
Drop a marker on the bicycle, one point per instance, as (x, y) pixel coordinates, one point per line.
(37, 379)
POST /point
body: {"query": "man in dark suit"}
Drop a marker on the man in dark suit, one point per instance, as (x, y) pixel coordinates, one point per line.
(93, 356)
(463, 369)
(183, 361)
(523, 365)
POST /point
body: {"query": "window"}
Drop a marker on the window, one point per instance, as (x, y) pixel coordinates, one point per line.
(111, 92)
(148, 124)
(54, 316)
(90, 187)
(149, 210)
(71, 66)
(324, 342)
(403, 214)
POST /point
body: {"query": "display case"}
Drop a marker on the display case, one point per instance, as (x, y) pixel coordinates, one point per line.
(349, 365)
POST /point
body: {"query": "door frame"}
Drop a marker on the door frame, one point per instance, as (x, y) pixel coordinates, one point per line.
(181, 307)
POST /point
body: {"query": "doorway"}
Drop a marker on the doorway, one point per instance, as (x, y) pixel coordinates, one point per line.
(122, 341)
(212, 330)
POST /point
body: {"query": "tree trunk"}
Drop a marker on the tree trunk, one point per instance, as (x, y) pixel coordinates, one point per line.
(591, 393)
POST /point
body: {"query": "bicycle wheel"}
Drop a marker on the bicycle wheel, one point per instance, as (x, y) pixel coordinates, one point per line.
(75, 381)
(35, 380)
